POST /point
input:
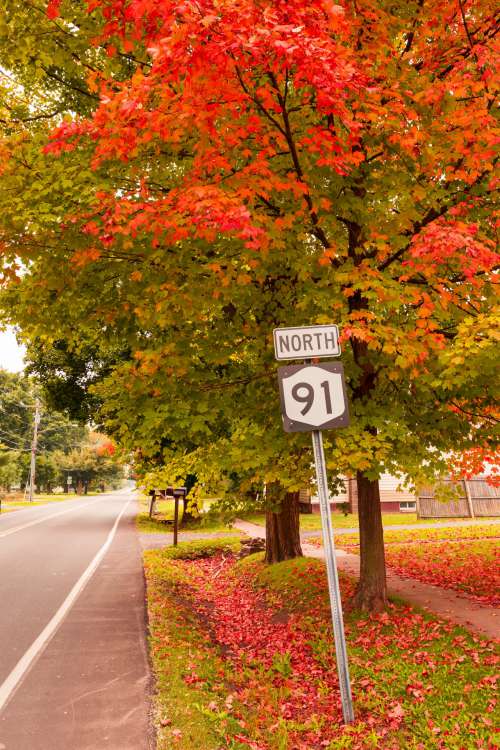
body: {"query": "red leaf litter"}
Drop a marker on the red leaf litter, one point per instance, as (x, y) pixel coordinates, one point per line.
(281, 662)
(472, 569)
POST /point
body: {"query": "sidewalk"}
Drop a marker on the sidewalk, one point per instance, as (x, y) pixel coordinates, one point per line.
(442, 602)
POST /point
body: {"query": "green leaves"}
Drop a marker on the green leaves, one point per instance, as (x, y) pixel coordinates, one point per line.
(294, 172)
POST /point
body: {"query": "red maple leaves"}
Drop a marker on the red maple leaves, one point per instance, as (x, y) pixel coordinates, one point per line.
(277, 647)
(470, 568)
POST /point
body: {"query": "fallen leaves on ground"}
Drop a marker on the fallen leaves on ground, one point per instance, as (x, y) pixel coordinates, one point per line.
(275, 686)
(419, 535)
(470, 568)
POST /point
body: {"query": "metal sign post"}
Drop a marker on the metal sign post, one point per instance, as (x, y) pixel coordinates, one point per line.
(333, 579)
(313, 397)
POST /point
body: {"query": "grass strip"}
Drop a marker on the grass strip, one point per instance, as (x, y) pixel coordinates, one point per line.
(243, 658)
(396, 536)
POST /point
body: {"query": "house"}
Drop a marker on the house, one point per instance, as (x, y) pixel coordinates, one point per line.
(471, 498)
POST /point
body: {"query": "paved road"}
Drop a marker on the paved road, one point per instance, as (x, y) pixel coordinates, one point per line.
(74, 672)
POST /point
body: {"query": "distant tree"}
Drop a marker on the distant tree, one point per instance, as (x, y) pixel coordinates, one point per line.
(9, 469)
(92, 465)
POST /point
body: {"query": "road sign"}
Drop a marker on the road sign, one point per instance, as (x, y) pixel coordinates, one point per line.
(313, 397)
(306, 342)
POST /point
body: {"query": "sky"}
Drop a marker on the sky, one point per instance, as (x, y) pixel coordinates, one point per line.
(11, 354)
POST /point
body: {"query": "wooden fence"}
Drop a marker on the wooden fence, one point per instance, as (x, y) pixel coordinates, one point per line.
(471, 498)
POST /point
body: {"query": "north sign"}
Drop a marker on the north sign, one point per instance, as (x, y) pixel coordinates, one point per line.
(313, 397)
(306, 342)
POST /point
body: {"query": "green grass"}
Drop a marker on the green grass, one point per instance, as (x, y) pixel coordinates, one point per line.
(38, 500)
(389, 665)
(422, 534)
(164, 511)
(180, 714)
(312, 521)
(440, 676)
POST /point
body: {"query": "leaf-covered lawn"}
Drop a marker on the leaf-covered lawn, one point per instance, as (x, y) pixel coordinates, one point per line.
(470, 568)
(244, 658)
(422, 534)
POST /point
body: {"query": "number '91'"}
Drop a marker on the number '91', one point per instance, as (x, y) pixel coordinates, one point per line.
(303, 393)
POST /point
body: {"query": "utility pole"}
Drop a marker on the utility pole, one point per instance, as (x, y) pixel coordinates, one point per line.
(34, 443)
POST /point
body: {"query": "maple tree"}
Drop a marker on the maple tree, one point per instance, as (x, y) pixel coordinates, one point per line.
(262, 164)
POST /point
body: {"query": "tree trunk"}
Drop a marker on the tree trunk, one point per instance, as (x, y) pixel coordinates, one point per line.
(371, 591)
(283, 530)
(187, 515)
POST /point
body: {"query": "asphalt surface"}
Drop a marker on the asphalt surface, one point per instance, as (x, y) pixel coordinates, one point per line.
(74, 672)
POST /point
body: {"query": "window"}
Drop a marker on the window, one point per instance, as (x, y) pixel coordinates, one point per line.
(408, 506)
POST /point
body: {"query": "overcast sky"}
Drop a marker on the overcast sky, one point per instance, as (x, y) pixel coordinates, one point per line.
(11, 354)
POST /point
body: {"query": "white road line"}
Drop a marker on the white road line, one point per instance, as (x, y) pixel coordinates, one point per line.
(46, 518)
(23, 665)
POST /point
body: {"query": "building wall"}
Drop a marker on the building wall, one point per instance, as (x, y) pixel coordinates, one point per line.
(390, 496)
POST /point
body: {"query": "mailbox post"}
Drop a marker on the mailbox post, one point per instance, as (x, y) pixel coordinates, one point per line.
(171, 492)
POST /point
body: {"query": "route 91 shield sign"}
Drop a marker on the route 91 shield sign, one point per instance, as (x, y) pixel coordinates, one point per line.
(313, 397)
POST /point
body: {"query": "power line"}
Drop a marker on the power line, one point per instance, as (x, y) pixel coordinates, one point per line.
(11, 436)
(16, 402)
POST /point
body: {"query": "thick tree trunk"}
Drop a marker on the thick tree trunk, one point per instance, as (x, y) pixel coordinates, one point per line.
(371, 592)
(283, 530)
(187, 515)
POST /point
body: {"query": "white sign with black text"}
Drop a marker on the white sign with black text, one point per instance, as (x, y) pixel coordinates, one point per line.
(313, 397)
(306, 342)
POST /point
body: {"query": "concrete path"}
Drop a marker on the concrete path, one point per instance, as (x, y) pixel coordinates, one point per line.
(471, 615)
(74, 671)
